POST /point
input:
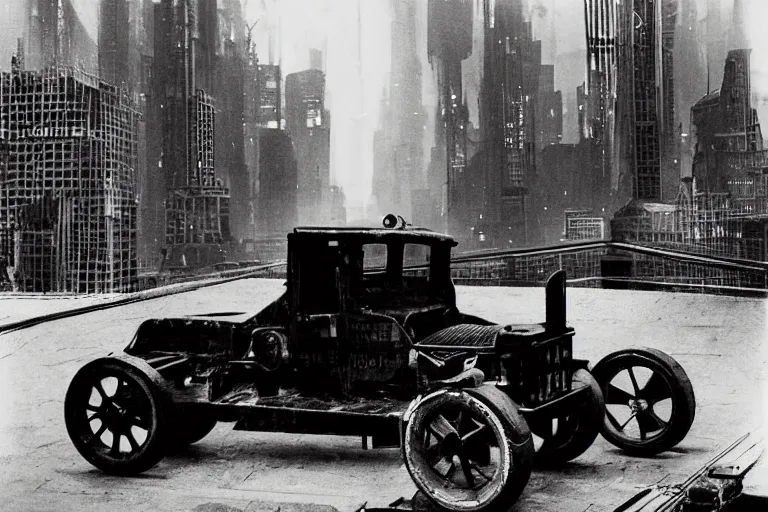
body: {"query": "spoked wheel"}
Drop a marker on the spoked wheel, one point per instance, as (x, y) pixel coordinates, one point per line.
(559, 440)
(649, 400)
(115, 417)
(468, 450)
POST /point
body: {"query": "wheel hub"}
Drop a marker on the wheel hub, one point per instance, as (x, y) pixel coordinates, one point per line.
(111, 414)
(116, 418)
(638, 405)
(451, 445)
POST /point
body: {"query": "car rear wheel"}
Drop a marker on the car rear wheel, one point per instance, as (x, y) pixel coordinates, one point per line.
(469, 449)
(650, 405)
(116, 417)
(562, 439)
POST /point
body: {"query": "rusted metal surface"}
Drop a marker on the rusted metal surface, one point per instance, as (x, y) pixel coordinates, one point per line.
(351, 351)
(717, 486)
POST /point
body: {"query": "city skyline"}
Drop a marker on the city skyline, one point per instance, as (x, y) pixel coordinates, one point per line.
(470, 134)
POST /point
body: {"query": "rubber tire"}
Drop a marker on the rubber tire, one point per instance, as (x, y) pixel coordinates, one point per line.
(154, 447)
(683, 398)
(577, 435)
(519, 441)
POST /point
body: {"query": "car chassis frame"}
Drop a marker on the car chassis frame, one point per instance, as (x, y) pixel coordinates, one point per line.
(379, 352)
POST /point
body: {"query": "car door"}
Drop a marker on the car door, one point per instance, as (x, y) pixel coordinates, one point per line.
(376, 347)
(317, 323)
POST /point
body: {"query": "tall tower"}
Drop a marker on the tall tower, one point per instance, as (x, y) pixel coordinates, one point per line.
(125, 57)
(508, 102)
(669, 130)
(400, 141)
(449, 42)
(598, 122)
(308, 125)
(631, 96)
(738, 29)
(716, 44)
(197, 204)
(646, 78)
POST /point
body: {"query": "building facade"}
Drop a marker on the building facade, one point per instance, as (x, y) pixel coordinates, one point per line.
(308, 125)
(278, 179)
(196, 199)
(68, 196)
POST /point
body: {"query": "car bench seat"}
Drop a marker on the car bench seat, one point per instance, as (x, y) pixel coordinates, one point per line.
(463, 335)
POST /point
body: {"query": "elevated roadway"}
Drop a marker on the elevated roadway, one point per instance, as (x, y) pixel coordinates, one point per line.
(720, 341)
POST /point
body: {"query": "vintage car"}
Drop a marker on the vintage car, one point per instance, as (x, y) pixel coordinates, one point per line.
(367, 341)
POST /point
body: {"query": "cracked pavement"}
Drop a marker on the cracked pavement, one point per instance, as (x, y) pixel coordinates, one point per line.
(720, 341)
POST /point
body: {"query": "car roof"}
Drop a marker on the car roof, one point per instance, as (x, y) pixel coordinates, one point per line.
(376, 235)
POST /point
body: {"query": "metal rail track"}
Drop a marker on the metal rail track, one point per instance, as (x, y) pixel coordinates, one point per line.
(203, 281)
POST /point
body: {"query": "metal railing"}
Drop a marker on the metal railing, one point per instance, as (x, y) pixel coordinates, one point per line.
(612, 265)
(599, 264)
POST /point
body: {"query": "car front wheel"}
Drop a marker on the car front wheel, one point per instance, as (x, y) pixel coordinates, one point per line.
(468, 449)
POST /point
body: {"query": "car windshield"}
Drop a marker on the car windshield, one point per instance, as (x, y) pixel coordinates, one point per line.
(396, 276)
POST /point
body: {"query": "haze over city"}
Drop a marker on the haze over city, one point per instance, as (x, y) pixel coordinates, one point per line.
(355, 84)
(504, 123)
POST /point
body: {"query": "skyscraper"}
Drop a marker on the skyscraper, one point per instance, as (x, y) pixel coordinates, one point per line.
(55, 35)
(126, 56)
(197, 202)
(508, 103)
(631, 96)
(449, 42)
(399, 165)
(308, 125)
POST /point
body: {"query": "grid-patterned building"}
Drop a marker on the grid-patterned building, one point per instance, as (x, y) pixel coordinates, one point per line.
(631, 95)
(67, 182)
(725, 210)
